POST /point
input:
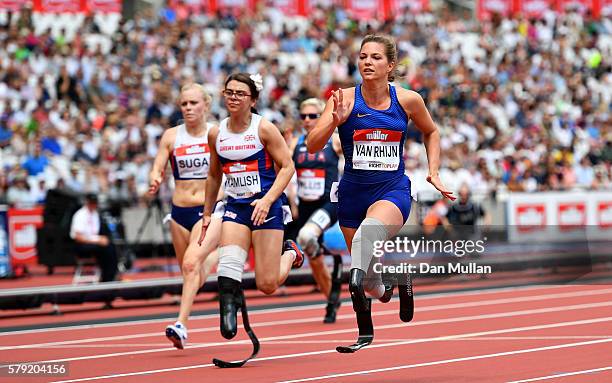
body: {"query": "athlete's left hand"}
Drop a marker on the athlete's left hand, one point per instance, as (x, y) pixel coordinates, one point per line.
(435, 181)
(262, 208)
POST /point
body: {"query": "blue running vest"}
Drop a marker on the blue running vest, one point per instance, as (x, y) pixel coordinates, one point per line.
(373, 141)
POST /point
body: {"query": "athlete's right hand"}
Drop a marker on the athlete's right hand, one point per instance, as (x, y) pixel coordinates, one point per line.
(340, 111)
(154, 184)
(205, 224)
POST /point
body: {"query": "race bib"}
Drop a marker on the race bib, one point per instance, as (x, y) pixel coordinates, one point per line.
(192, 161)
(242, 179)
(376, 149)
(311, 183)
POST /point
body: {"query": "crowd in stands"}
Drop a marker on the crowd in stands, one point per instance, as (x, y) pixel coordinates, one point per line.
(521, 104)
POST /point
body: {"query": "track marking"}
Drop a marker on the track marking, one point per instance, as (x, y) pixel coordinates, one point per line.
(284, 309)
(447, 361)
(563, 374)
(349, 330)
(336, 341)
(288, 356)
(490, 302)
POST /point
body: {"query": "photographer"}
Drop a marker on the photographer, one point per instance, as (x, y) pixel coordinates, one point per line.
(465, 212)
(85, 230)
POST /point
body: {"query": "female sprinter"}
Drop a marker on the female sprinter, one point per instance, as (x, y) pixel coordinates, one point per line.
(315, 173)
(245, 148)
(186, 147)
(374, 193)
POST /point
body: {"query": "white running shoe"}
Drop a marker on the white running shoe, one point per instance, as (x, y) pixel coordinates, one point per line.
(177, 333)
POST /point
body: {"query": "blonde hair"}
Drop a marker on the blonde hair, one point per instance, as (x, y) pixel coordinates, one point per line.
(319, 104)
(194, 85)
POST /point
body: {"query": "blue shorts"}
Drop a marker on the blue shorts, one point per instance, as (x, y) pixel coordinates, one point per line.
(186, 216)
(241, 213)
(354, 199)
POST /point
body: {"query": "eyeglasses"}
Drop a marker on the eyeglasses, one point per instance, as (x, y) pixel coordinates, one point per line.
(312, 116)
(233, 93)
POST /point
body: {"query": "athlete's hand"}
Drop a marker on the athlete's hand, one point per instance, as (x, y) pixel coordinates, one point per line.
(154, 185)
(205, 224)
(262, 208)
(435, 181)
(340, 111)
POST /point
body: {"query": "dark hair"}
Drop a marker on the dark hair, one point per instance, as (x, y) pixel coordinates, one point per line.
(91, 198)
(390, 50)
(246, 79)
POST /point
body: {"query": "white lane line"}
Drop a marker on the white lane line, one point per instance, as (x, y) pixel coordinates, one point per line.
(447, 361)
(374, 346)
(564, 374)
(490, 302)
(266, 311)
(338, 341)
(344, 331)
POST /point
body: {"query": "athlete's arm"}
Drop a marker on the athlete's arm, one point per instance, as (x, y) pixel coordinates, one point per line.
(415, 108)
(275, 144)
(221, 193)
(337, 145)
(161, 159)
(213, 182)
(336, 111)
(292, 187)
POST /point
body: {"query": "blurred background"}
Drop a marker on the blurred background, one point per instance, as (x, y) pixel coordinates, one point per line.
(520, 89)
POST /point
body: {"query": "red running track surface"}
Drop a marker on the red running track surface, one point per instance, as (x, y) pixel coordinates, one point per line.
(538, 333)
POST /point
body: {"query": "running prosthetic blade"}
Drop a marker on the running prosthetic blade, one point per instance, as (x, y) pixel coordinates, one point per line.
(363, 310)
(229, 302)
(333, 302)
(406, 296)
(366, 333)
(247, 327)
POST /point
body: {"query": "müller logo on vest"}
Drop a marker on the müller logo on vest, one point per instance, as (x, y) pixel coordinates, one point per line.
(237, 167)
(377, 135)
(195, 149)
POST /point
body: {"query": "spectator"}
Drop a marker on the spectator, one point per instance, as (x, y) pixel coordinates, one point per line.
(37, 162)
(4, 187)
(19, 193)
(80, 153)
(50, 142)
(74, 181)
(585, 175)
(528, 97)
(39, 192)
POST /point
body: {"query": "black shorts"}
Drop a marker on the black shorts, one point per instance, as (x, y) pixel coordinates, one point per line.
(307, 208)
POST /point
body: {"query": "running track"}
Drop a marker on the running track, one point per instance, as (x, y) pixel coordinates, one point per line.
(529, 334)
